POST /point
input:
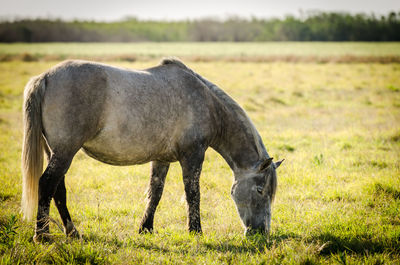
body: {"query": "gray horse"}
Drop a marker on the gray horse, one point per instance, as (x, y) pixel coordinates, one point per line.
(118, 116)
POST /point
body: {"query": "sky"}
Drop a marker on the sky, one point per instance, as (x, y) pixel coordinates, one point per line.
(111, 10)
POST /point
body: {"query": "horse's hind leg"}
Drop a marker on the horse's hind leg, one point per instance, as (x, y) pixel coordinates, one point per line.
(60, 199)
(158, 173)
(52, 176)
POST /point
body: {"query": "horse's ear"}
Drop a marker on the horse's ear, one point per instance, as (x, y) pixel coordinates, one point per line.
(265, 164)
(277, 164)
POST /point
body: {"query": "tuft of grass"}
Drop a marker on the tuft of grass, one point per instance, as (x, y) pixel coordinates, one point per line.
(346, 146)
(28, 57)
(298, 94)
(393, 88)
(4, 196)
(395, 137)
(287, 147)
(8, 229)
(379, 164)
(318, 159)
(77, 253)
(277, 100)
(385, 190)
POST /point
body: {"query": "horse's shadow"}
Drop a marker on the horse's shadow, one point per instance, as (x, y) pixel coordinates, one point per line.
(356, 244)
(328, 242)
(253, 244)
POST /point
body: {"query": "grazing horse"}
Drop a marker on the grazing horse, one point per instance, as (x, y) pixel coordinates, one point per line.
(118, 116)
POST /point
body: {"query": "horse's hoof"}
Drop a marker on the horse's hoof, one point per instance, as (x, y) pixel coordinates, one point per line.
(145, 230)
(74, 234)
(195, 232)
(42, 238)
(71, 231)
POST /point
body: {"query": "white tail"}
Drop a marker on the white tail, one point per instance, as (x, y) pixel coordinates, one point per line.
(32, 146)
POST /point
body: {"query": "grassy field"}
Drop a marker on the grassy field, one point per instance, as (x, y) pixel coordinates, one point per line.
(338, 198)
(200, 51)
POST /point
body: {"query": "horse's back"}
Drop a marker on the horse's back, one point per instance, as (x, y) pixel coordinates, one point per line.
(125, 117)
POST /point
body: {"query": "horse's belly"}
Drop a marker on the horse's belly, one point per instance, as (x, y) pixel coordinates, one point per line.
(119, 151)
(138, 127)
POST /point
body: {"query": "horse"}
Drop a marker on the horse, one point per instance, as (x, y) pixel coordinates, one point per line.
(120, 116)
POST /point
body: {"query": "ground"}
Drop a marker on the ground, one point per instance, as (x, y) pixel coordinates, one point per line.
(338, 201)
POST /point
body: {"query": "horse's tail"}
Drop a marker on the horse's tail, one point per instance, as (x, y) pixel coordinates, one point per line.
(32, 145)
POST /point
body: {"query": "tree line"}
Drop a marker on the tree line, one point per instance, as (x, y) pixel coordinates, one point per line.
(315, 26)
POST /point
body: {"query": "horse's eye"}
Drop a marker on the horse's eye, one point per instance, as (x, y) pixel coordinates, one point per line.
(259, 189)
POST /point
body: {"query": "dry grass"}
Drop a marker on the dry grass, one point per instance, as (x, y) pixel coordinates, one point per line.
(342, 59)
(337, 126)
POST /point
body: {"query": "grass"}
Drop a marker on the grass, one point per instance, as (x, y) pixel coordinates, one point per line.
(338, 199)
(208, 51)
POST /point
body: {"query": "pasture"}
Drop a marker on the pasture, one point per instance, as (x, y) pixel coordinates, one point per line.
(203, 51)
(338, 199)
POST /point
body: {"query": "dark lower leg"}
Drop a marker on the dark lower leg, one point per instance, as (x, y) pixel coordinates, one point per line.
(60, 199)
(191, 168)
(156, 187)
(192, 191)
(47, 187)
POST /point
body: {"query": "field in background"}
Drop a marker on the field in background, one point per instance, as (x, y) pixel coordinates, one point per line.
(209, 51)
(338, 199)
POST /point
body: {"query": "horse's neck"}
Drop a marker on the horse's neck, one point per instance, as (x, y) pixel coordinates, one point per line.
(239, 143)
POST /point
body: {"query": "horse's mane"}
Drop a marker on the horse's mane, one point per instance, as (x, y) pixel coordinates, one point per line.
(227, 101)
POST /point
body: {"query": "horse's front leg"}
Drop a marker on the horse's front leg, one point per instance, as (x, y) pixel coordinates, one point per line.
(158, 173)
(191, 169)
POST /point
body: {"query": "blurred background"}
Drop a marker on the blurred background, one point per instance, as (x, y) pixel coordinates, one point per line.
(183, 21)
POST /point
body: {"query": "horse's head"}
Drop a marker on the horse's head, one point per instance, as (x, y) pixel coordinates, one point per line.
(253, 194)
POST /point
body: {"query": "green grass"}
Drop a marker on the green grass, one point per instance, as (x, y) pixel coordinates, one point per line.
(207, 49)
(338, 198)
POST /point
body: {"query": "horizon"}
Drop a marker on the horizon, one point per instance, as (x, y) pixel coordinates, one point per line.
(301, 14)
(180, 10)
